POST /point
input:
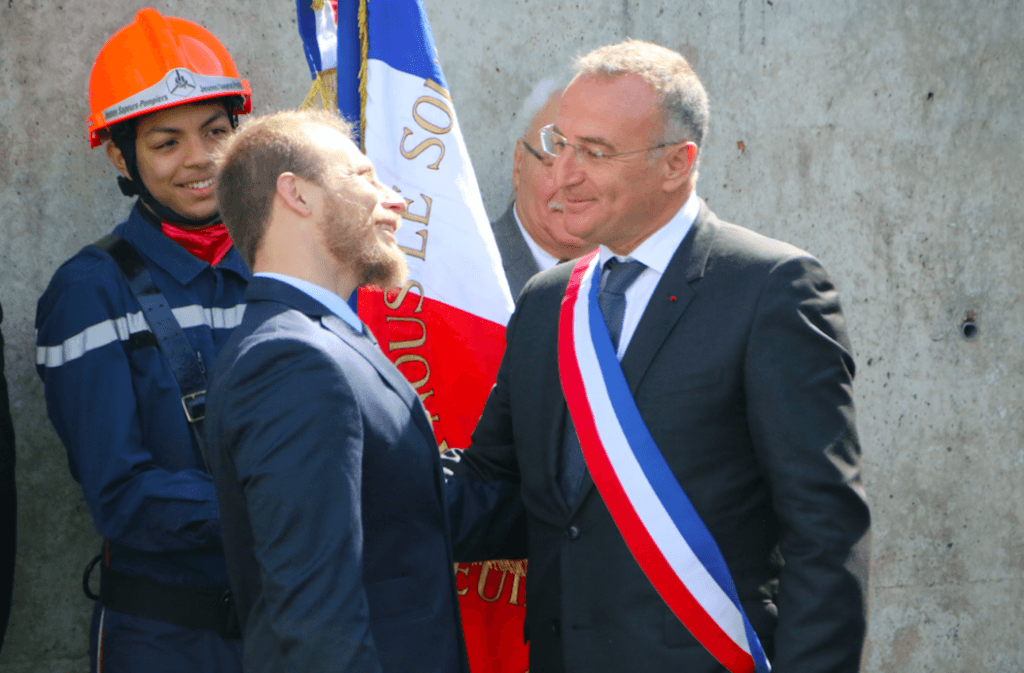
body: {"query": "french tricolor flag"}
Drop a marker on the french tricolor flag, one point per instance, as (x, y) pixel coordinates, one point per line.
(445, 329)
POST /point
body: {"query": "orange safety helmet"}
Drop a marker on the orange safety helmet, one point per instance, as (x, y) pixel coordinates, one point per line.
(157, 62)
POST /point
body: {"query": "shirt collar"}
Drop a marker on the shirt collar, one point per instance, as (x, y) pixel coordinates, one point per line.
(171, 257)
(656, 252)
(544, 259)
(333, 302)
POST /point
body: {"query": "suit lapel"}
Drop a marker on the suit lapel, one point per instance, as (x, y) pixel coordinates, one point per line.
(670, 300)
(366, 345)
(271, 289)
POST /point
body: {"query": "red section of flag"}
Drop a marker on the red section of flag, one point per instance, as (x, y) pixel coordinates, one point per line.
(451, 357)
(492, 596)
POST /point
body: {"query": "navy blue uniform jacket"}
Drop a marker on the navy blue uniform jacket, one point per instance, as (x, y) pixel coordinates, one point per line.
(335, 529)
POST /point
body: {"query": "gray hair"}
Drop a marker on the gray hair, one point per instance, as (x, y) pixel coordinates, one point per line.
(534, 103)
(681, 96)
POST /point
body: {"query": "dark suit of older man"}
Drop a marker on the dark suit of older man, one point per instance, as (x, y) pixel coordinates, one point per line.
(741, 369)
(734, 351)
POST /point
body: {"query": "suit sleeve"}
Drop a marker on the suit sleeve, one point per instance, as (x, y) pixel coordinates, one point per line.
(482, 483)
(799, 376)
(82, 328)
(297, 445)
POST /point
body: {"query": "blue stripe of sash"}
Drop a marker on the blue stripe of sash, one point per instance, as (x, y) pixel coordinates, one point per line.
(400, 36)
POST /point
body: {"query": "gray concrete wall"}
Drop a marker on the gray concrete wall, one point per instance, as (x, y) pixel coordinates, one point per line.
(883, 136)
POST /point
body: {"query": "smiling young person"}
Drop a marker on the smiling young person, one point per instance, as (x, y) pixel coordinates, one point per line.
(124, 332)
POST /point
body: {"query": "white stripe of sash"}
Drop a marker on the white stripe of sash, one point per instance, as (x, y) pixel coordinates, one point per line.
(114, 329)
(638, 490)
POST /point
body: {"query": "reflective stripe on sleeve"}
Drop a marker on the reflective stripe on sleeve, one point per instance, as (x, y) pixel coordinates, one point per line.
(214, 318)
(121, 329)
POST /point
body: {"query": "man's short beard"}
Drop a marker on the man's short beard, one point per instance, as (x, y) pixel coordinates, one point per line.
(381, 265)
(353, 240)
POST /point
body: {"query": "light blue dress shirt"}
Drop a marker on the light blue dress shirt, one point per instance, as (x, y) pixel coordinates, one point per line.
(333, 302)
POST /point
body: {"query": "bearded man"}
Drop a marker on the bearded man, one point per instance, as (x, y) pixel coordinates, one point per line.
(326, 467)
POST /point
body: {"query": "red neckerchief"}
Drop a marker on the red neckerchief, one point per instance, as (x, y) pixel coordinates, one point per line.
(209, 244)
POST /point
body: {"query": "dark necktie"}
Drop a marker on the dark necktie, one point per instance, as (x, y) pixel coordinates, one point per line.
(612, 299)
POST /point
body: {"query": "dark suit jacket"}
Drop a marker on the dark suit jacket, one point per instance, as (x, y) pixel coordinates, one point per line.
(516, 258)
(329, 481)
(8, 499)
(741, 369)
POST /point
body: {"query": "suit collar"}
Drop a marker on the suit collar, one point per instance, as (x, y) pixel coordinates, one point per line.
(693, 252)
(271, 289)
(542, 259)
(516, 259)
(334, 303)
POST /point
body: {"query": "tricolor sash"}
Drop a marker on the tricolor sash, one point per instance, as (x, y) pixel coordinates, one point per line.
(663, 531)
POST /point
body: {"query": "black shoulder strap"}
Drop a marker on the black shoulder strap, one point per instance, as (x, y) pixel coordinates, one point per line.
(186, 363)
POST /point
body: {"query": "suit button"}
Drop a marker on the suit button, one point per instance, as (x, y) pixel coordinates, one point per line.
(572, 532)
(556, 627)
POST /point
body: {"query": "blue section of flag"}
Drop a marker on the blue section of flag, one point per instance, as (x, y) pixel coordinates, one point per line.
(657, 471)
(307, 31)
(400, 36)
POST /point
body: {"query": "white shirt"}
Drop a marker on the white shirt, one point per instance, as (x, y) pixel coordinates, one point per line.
(543, 258)
(332, 301)
(655, 253)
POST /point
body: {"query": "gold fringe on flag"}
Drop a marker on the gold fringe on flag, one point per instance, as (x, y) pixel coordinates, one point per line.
(364, 50)
(323, 93)
(516, 567)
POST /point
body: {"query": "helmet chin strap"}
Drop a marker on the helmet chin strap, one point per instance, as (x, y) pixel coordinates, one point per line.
(123, 136)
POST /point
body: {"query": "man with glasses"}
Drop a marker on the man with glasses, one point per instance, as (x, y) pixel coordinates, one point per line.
(677, 409)
(531, 235)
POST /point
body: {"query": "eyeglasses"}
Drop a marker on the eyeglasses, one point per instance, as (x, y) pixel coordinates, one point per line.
(544, 159)
(553, 143)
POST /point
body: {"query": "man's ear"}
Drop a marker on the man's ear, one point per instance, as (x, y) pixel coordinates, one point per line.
(295, 193)
(679, 163)
(117, 159)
